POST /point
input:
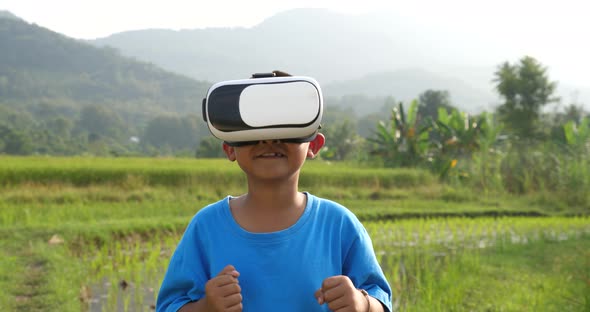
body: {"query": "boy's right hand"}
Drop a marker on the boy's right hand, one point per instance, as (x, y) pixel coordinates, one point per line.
(223, 293)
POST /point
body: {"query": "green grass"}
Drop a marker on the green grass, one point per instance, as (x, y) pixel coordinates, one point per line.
(448, 263)
(541, 276)
(84, 171)
(42, 207)
(120, 219)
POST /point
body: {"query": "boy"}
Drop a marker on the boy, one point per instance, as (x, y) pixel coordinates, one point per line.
(274, 248)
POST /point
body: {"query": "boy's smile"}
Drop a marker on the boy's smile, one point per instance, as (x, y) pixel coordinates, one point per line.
(273, 159)
(272, 150)
(272, 155)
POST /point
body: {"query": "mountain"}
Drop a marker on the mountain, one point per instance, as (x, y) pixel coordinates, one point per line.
(60, 96)
(6, 14)
(318, 42)
(39, 65)
(296, 41)
(406, 84)
(348, 54)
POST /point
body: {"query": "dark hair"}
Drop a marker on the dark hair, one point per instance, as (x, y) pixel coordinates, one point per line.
(279, 73)
(274, 73)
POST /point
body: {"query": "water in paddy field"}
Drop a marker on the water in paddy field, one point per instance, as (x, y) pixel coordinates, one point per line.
(122, 295)
(126, 277)
(133, 285)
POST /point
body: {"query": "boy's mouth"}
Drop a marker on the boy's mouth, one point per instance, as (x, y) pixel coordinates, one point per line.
(271, 155)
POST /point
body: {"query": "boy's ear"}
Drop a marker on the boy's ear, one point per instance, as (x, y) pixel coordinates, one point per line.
(316, 145)
(230, 152)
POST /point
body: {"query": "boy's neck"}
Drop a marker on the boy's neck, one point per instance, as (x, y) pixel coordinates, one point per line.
(268, 210)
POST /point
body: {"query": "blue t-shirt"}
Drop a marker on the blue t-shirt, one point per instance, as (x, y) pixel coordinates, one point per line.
(279, 271)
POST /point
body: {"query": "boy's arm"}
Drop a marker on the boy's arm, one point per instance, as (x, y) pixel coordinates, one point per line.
(362, 267)
(194, 306)
(375, 305)
(185, 277)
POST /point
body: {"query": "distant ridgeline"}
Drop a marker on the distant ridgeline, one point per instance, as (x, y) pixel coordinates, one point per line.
(57, 91)
(37, 63)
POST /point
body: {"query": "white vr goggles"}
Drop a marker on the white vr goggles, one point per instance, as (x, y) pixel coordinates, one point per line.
(242, 112)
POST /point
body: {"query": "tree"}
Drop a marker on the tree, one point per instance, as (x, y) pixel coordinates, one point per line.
(173, 132)
(430, 101)
(525, 88)
(366, 124)
(61, 127)
(574, 113)
(555, 121)
(14, 142)
(210, 147)
(100, 120)
(341, 140)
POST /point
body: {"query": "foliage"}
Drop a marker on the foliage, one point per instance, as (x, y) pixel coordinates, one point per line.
(545, 168)
(67, 97)
(444, 142)
(102, 121)
(210, 147)
(525, 88)
(484, 164)
(173, 131)
(64, 97)
(431, 101)
(578, 135)
(458, 137)
(40, 64)
(14, 142)
(402, 142)
(554, 122)
(342, 140)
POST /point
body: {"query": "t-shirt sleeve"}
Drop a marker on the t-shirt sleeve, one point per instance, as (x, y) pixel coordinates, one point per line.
(361, 266)
(185, 277)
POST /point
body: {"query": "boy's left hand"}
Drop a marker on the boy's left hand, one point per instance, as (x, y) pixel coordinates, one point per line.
(341, 295)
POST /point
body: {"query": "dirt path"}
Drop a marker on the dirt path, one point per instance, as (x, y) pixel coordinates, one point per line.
(29, 289)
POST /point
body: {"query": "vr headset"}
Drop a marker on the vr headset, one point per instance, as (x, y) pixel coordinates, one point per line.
(265, 107)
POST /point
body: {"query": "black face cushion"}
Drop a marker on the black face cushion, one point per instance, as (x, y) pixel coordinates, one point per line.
(294, 140)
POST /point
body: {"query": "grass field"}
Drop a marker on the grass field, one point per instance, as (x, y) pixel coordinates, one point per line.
(95, 234)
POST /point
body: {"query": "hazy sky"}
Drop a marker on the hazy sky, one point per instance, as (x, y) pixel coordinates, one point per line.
(555, 32)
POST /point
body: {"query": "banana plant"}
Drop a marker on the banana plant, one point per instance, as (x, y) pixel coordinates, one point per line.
(401, 142)
(459, 135)
(578, 136)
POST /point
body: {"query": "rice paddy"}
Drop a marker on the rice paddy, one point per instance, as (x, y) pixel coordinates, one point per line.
(103, 243)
